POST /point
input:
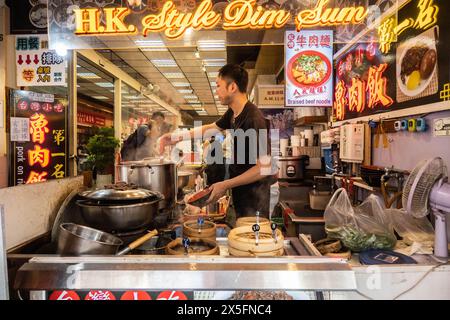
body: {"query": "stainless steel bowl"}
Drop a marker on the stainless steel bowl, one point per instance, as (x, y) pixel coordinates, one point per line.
(183, 179)
(118, 217)
(76, 240)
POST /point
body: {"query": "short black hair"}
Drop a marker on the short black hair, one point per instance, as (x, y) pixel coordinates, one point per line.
(158, 114)
(235, 73)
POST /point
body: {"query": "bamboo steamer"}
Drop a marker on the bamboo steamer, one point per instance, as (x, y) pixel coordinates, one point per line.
(241, 242)
(202, 247)
(249, 221)
(207, 231)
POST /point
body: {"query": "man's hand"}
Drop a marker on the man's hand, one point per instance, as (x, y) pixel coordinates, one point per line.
(218, 191)
(166, 140)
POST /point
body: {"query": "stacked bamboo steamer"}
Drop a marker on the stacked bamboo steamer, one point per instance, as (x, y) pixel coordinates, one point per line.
(198, 246)
(250, 221)
(207, 230)
(242, 242)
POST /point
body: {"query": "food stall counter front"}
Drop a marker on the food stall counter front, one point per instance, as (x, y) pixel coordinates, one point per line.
(45, 274)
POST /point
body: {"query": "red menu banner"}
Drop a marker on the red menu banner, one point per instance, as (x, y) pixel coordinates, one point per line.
(39, 137)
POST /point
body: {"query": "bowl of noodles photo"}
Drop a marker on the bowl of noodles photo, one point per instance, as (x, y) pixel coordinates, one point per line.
(309, 69)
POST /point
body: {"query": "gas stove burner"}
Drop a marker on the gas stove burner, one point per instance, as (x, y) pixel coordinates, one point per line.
(130, 233)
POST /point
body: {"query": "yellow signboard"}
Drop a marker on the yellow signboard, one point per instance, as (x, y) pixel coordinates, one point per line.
(238, 14)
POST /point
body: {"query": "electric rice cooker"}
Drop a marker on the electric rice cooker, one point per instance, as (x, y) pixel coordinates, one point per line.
(292, 168)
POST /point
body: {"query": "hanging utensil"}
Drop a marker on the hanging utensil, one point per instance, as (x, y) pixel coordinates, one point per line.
(376, 141)
(385, 137)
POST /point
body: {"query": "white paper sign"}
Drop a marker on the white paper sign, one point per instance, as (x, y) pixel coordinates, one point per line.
(441, 127)
(36, 65)
(270, 95)
(20, 129)
(309, 68)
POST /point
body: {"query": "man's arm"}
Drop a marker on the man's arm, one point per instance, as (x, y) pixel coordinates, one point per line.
(260, 170)
(202, 132)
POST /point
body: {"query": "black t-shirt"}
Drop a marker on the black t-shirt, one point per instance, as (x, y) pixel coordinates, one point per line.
(248, 146)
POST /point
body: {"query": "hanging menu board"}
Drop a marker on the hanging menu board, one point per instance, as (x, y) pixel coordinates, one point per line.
(406, 65)
(309, 68)
(36, 65)
(39, 141)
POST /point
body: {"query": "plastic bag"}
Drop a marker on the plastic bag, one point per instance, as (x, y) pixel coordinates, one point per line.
(417, 233)
(359, 228)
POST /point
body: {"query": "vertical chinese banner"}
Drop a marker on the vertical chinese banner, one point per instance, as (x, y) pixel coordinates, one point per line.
(36, 65)
(309, 68)
(39, 137)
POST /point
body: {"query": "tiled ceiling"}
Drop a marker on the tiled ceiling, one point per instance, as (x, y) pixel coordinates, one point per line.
(185, 75)
(94, 84)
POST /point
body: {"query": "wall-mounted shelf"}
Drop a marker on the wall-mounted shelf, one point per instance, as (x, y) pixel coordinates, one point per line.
(304, 121)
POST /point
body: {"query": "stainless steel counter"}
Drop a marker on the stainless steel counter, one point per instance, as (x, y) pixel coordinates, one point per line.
(185, 273)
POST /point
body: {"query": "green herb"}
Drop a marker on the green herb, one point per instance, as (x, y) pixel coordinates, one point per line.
(358, 240)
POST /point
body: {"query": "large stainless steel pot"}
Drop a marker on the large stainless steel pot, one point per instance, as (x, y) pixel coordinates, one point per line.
(118, 217)
(152, 174)
(75, 240)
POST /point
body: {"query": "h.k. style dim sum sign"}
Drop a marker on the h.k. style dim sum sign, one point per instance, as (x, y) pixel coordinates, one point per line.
(237, 15)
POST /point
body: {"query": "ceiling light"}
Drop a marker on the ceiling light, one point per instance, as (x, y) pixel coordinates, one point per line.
(185, 91)
(105, 84)
(211, 45)
(173, 75)
(214, 62)
(88, 75)
(191, 97)
(100, 97)
(213, 84)
(151, 45)
(197, 54)
(213, 74)
(164, 63)
(159, 49)
(181, 84)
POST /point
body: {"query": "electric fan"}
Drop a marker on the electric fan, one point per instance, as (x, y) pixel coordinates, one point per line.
(426, 189)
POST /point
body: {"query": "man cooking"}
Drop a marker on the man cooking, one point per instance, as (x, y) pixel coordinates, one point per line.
(250, 169)
(160, 121)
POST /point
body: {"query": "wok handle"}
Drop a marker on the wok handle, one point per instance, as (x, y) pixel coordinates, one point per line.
(138, 242)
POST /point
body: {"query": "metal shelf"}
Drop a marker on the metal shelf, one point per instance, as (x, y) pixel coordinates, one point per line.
(305, 121)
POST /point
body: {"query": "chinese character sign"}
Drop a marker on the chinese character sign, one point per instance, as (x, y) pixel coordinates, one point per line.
(36, 65)
(309, 68)
(40, 144)
(363, 82)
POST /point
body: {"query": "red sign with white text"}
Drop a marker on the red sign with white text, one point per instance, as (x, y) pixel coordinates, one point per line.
(100, 295)
(64, 295)
(171, 295)
(136, 295)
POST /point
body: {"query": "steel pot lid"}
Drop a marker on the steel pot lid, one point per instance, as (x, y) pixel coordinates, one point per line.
(115, 194)
(157, 161)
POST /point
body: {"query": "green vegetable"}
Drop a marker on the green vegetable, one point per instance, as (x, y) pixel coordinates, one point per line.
(308, 62)
(358, 240)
